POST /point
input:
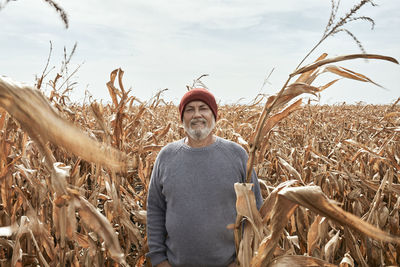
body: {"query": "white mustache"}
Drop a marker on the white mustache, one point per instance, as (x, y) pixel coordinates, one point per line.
(194, 121)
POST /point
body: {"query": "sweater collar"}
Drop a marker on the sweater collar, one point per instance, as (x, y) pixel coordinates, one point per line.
(195, 149)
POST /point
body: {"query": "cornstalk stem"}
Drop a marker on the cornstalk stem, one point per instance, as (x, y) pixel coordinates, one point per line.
(260, 124)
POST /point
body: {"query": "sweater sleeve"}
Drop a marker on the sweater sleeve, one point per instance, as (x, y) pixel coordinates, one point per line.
(156, 208)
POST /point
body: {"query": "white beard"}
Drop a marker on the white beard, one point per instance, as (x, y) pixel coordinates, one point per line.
(199, 134)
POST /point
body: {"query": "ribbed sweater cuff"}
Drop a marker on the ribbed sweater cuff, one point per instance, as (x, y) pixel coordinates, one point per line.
(156, 258)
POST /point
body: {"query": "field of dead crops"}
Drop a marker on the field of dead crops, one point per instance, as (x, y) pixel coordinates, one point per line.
(81, 213)
(74, 178)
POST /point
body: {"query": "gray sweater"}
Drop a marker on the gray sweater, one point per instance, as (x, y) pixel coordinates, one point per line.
(191, 201)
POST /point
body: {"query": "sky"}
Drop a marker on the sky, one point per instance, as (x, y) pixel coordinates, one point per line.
(167, 44)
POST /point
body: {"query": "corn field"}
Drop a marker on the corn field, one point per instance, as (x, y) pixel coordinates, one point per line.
(74, 179)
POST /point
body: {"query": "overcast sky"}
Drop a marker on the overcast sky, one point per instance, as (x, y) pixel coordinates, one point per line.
(166, 44)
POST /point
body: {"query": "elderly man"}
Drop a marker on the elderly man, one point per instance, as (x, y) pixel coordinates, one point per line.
(191, 196)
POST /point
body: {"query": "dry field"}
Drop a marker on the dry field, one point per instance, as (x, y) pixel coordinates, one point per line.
(70, 210)
(74, 178)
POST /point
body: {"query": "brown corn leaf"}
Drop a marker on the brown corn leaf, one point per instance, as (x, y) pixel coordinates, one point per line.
(59, 176)
(323, 87)
(383, 215)
(17, 251)
(162, 132)
(38, 251)
(394, 218)
(291, 170)
(111, 89)
(71, 221)
(301, 225)
(297, 260)
(99, 224)
(245, 253)
(253, 231)
(331, 247)
(283, 210)
(33, 111)
(271, 122)
(98, 114)
(290, 92)
(135, 232)
(305, 76)
(364, 149)
(121, 85)
(269, 202)
(342, 58)
(246, 207)
(5, 184)
(346, 73)
(150, 148)
(64, 225)
(351, 243)
(391, 255)
(82, 240)
(313, 198)
(313, 236)
(3, 114)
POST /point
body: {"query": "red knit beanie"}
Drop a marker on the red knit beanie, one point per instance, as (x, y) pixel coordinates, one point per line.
(198, 94)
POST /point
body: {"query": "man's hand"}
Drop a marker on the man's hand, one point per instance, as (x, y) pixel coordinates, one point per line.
(164, 264)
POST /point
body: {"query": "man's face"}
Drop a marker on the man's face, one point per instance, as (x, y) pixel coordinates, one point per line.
(198, 120)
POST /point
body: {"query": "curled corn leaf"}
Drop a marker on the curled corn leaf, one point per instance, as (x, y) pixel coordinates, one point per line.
(38, 117)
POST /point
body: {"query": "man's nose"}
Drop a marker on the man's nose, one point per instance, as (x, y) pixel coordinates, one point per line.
(197, 113)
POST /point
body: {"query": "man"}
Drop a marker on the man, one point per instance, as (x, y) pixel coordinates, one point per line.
(191, 197)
